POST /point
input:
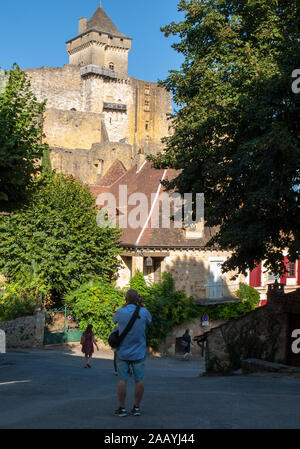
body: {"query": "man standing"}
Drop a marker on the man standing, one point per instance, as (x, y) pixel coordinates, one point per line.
(132, 351)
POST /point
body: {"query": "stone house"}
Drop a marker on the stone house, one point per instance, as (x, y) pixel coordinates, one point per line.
(152, 248)
(260, 278)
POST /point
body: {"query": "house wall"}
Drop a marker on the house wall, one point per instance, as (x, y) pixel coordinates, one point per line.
(261, 280)
(190, 270)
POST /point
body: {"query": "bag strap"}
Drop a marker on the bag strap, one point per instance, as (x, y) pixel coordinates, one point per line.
(130, 324)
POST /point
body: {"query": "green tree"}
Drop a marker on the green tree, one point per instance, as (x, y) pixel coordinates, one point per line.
(56, 234)
(96, 303)
(138, 283)
(237, 129)
(2, 81)
(21, 132)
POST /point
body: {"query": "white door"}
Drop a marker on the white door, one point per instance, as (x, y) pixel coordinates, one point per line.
(215, 280)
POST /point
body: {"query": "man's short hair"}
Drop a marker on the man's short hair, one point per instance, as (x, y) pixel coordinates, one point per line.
(132, 297)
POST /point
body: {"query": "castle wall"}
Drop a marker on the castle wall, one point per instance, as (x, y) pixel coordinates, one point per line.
(71, 129)
(100, 49)
(152, 107)
(61, 86)
(117, 56)
(87, 165)
(109, 152)
(75, 108)
(119, 124)
(86, 54)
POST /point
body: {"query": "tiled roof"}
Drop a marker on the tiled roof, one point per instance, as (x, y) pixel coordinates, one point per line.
(147, 181)
(101, 22)
(114, 173)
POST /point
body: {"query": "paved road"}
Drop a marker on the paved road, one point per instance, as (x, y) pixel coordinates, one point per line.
(50, 390)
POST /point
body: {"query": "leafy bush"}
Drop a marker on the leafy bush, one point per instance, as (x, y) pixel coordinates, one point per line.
(16, 302)
(167, 306)
(249, 301)
(249, 294)
(170, 308)
(138, 283)
(95, 303)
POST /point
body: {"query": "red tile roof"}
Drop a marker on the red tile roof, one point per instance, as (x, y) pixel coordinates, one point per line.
(147, 181)
(114, 173)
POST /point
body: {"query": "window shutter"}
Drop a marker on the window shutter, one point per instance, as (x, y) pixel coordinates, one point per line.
(284, 275)
(255, 277)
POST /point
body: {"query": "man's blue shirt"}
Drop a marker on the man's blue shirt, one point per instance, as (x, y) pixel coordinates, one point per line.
(133, 347)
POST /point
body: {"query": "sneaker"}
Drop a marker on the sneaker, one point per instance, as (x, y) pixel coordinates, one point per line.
(121, 412)
(136, 411)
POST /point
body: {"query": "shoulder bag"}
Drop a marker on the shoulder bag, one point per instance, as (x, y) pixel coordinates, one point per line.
(115, 339)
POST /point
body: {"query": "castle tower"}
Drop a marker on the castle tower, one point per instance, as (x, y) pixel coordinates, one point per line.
(100, 43)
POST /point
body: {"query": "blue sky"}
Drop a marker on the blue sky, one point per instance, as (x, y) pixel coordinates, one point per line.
(33, 33)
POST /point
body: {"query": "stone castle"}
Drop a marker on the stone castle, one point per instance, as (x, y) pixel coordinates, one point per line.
(96, 114)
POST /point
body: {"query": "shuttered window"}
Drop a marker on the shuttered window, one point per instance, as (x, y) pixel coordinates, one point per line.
(255, 277)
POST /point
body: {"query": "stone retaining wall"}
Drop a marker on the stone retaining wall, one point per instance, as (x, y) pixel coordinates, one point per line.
(260, 334)
(25, 332)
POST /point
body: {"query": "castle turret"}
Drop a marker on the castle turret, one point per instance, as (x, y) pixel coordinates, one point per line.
(100, 43)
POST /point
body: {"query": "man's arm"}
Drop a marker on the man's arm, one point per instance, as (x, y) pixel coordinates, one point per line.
(116, 317)
(149, 317)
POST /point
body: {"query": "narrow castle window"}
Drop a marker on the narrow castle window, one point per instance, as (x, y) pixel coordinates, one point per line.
(147, 126)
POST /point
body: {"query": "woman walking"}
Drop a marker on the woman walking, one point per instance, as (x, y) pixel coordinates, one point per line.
(187, 341)
(88, 341)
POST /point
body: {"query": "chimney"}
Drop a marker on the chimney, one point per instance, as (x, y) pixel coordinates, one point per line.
(82, 25)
